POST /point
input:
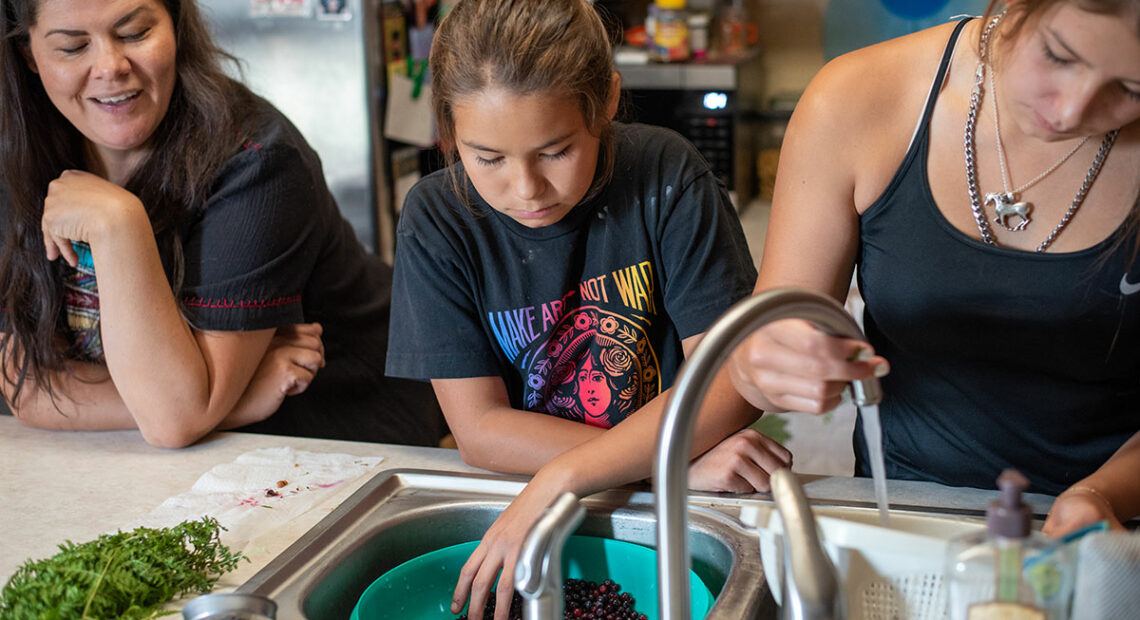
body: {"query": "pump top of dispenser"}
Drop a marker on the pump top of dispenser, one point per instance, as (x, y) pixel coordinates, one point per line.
(1008, 516)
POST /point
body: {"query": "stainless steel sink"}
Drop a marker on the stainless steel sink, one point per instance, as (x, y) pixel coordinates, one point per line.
(401, 514)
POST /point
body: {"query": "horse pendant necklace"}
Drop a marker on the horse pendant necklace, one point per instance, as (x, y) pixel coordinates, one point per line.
(1006, 203)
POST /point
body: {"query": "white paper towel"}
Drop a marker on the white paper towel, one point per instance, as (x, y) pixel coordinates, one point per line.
(260, 491)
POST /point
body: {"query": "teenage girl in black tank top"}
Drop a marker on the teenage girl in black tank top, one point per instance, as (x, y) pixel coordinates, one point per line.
(999, 355)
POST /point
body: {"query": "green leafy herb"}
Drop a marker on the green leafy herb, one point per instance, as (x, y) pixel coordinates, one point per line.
(123, 575)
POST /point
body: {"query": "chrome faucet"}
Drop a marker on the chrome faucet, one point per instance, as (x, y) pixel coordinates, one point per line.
(538, 572)
(675, 441)
(810, 588)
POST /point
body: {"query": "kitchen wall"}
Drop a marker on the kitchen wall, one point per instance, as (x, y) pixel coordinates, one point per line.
(791, 36)
(798, 36)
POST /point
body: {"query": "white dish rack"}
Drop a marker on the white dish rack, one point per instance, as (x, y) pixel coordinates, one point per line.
(887, 573)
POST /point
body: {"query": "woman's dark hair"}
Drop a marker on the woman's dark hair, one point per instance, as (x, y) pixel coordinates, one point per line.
(37, 144)
(525, 47)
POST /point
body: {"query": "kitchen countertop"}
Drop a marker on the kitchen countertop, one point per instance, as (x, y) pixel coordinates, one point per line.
(57, 486)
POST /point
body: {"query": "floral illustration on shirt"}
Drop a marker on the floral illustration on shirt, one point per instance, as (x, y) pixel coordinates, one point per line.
(596, 367)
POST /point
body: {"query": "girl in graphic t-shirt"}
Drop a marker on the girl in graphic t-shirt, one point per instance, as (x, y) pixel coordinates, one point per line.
(550, 282)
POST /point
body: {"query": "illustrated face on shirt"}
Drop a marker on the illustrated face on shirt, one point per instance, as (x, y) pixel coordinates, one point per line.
(593, 389)
(109, 67)
(531, 157)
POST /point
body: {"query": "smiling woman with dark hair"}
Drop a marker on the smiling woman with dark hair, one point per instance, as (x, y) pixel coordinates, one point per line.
(172, 259)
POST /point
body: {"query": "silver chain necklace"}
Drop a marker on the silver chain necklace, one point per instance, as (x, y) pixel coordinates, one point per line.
(1005, 203)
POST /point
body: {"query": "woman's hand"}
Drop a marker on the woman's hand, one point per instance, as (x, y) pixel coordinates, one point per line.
(498, 552)
(294, 357)
(1077, 507)
(790, 365)
(81, 206)
(741, 463)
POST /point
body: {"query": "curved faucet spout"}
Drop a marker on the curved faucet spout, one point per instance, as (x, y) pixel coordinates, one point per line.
(675, 440)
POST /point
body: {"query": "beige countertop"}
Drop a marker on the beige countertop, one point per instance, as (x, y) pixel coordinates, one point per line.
(57, 486)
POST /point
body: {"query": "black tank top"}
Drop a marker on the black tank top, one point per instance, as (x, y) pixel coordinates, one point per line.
(999, 357)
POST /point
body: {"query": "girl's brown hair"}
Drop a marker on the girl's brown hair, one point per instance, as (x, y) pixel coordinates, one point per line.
(204, 125)
(525, 47)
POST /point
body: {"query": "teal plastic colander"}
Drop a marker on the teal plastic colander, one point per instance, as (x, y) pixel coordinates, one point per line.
(421, 588)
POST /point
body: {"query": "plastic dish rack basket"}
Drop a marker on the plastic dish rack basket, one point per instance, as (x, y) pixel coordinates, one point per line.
(887, 573)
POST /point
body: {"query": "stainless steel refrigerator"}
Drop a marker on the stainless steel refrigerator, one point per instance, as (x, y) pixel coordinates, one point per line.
(310, 58)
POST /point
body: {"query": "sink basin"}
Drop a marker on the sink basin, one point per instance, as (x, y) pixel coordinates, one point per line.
(402, 514)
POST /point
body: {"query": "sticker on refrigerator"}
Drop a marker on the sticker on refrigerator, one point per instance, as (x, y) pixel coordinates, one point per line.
(335, 10)
(260, 8)
(279, 8)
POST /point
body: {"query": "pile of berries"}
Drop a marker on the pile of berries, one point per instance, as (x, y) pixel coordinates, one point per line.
(604, 601)
(584, 600)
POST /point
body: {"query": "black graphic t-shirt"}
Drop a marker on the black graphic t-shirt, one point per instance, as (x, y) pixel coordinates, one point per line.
(270, 248)
(584, 318)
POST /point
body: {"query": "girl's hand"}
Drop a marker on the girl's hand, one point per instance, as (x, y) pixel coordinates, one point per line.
(790, 365)
(1077, 507)
(81, 206)
(498, 552)
(741, 463)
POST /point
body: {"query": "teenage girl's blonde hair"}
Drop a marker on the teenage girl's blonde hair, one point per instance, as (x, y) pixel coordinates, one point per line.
(525, 47)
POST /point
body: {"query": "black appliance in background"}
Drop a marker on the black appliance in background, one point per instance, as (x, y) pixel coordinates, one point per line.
(714, 105)
(704, 117)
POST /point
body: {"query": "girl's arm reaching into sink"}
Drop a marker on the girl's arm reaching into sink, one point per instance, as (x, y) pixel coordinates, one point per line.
(1111, 493)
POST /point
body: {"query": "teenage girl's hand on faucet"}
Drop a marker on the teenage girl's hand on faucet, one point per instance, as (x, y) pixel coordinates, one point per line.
(81, 206)
(740, 463)
(790, 365)
(498, 551)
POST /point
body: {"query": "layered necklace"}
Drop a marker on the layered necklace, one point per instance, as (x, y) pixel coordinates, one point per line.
(1006, 203)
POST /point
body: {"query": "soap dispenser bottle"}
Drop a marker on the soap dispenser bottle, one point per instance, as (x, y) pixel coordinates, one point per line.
(1008, 571)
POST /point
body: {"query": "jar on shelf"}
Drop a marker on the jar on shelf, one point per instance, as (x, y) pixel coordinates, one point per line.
(699, 34)
(737, 33)
(670, 38)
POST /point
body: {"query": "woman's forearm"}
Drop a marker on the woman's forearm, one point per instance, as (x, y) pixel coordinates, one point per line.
(177, 384)
(83, 398)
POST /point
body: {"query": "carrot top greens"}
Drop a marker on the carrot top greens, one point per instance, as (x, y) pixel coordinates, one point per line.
(124, 575)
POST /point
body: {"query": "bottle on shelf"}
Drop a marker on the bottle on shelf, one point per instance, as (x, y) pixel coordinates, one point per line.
(669, 41)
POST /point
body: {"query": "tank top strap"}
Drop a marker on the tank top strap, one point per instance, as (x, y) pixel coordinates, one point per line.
(943, 67)
(916, 150)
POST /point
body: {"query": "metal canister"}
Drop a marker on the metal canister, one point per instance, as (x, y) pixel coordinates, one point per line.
(231, 606)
